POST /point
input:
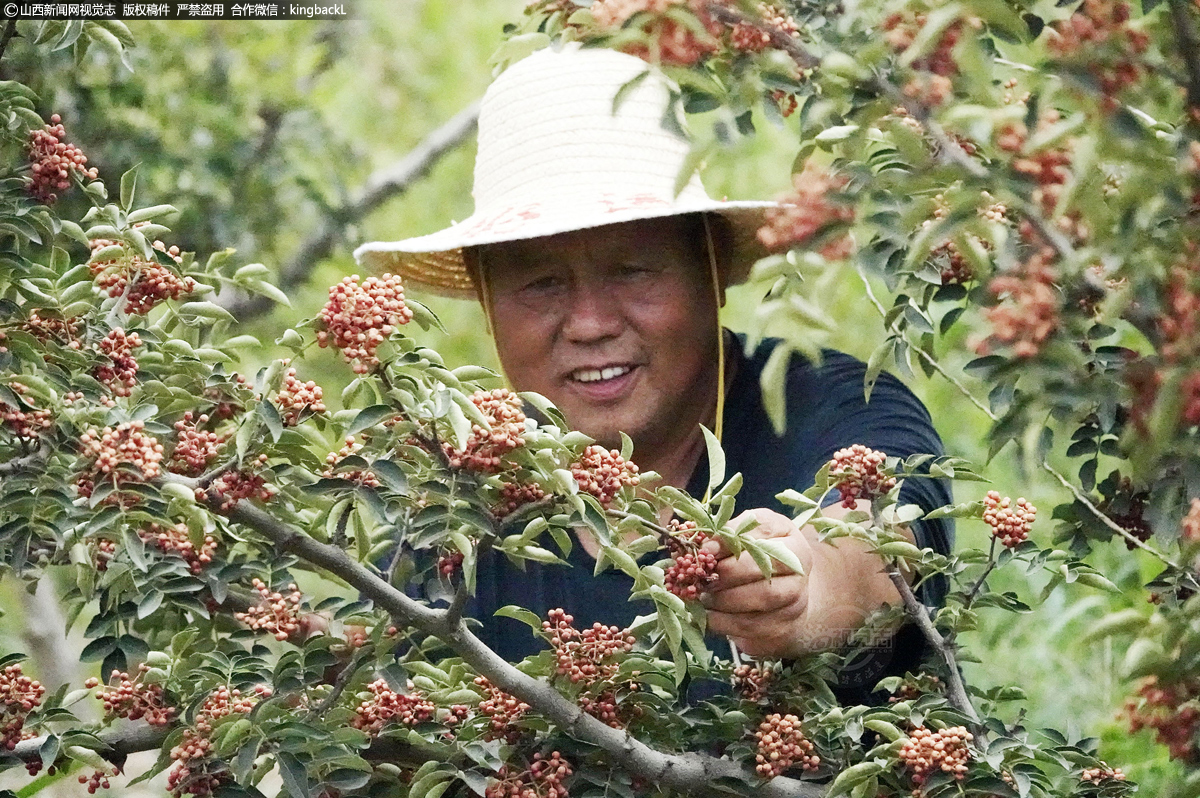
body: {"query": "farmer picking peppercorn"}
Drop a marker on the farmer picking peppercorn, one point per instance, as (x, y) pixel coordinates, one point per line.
(601, 284)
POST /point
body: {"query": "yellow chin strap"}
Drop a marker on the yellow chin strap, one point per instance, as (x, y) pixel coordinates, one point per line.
(719, 421)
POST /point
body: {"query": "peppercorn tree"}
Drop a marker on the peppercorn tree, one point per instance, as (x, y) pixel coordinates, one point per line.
(248, 558)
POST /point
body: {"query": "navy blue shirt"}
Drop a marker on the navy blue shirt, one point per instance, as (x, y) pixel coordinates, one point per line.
(826, 411)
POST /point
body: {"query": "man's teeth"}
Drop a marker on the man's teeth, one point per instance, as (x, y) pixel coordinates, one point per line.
(595, 375)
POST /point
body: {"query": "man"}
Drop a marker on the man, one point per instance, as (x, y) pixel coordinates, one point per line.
(602, 286)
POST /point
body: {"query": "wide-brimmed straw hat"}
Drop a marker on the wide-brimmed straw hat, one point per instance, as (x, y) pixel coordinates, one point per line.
(560, 151)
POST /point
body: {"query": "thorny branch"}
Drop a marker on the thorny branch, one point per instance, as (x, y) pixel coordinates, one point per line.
(690, 772)
(379, 188)
(956, 690)
(1049, 469)
(974, 591)
(343, 680)
(779, 39)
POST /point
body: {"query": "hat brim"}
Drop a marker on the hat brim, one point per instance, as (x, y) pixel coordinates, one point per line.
(435, 261)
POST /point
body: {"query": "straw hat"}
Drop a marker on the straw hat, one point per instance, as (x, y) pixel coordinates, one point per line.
(555, 157)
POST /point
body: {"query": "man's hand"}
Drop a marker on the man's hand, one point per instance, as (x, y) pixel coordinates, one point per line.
(794, 614)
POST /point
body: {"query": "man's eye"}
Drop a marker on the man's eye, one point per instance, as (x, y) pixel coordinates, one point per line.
(635, 270)
(546, 283)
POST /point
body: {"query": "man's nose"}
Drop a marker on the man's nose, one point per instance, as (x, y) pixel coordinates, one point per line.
(592, 313)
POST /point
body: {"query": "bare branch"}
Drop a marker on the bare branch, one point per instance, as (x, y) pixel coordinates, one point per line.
(919, 613)
(379, 188)
(343, 680)
(982, 577)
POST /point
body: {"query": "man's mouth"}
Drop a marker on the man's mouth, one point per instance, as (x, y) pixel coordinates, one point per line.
(597, 375)
(604, 384)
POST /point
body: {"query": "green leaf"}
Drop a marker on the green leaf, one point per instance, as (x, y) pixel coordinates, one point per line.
(391, 475)
(626, 88)
(88, 757)
(834, 134)
(1128, 621)
(774, 375)
(460, 425)
(622, 560)
(48, 751)
(149, 603)
(520, 614)
(1095, 580)
(346, 779)
(854, 775)
(473, 373)
(203, 310)
(901, 549)
(268, 290)
(370, 417)
(887, 731)
(243, 762)
(295, 777)
(128, 185)
(875, 364)
(153, 212)
(269, 414)
(716, 459)
(778, 551)
(247, 436)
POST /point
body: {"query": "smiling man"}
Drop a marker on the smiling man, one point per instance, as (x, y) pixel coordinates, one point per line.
(602, 285)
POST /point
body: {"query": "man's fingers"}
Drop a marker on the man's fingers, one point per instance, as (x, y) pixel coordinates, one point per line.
(770, 525)
(763, 627)
(758, 597)
(743, 570)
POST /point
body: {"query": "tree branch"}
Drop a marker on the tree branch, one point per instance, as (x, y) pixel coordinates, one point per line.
(1049, 469)
(45, 632)
(689, 772)
(1189, 50)
(136, 738)
(991, 566)
(120, 742)
(780, 40)
(10, 30)
(379, 187)
(1108, 522)
(343, 680)
(37, 457)
(919, 613)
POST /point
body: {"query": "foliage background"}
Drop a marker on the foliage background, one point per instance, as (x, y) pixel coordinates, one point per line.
(259, 131)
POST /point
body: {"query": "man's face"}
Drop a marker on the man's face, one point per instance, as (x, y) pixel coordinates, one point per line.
(616, 325)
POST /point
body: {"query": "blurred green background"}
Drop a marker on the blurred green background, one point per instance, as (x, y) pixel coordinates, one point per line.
(263, 133)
